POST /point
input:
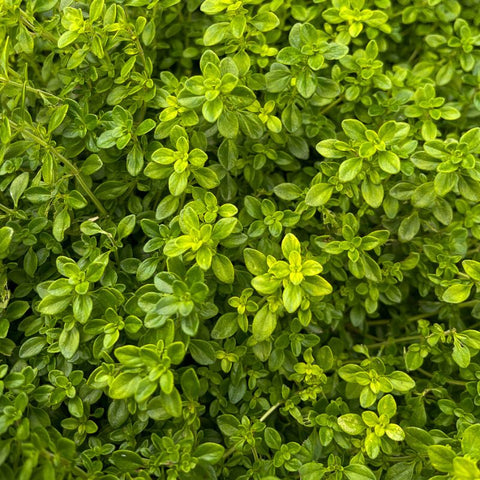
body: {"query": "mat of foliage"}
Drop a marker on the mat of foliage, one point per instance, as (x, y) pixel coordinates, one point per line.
(239, 239)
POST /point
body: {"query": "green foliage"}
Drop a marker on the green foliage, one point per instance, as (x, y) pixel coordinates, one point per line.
(239, 239)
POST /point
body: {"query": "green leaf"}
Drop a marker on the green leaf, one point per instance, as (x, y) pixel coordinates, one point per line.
(335, 51)
(126, 460)
(349, 169)
(471, 442)
(444, 183)
(424, 195)
(400, 471)
(209, 452)
(236, 235)
(212, 109)
(328, 149)
(57, 117)
(409, 227)
(224, 228)
(18, 186)
(228, 424)
(288, 191)
(226, 326)
(223, 268)
(67, 38)
(264, 324)
(471, 138)
(395, 432)
(358, 472)
(387, 406)
(61, 223)
(441, 457)
(255, 261)
(177, 183)
(306, 83)
(202, 352)
(472, 269)
(111, 190)
(316, 286)
(372, 193)
(352, 372)
(457, 293)
(126, 226)
(461, 354)
(145, 126)
(69, 342)
(265, 21)
(290, 244)
(6, 235)
(32, 347)
(96, 9)
(319, 194)
(206, 178)
(51, 305)
(176, 352)
(292, 297)
(215, 33)
(312, 471)
(272, 438)
(372, 444)
(389, 162)
(351, 423)
(228, 125)
(418, 439)
(167, 207)
(190, 384)
(124, 385)
(401, 381)
(172, 403)
(354, 129)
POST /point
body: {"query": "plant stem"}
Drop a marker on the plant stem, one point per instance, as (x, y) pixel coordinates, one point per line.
(269, 411)
(331, 105)
(352, 329)
(413, 55)
(7, 210)
(229, 451)
(457, 382)
(76, 470)
(30, 89)
(420, 316)
(395, 340)
(137, 43)
(450, 382)
(402, 458)
(408, 320)
(37, 29)
(74, 170)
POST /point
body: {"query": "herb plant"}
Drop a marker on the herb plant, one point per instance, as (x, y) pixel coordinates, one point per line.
(239, 239)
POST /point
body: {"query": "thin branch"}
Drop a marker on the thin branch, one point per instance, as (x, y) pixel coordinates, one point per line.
(331, 105)
(36, 29)
(76, 470)
(450, 382)
(395, 340)
(30, 89)
(420, 316)
(73, 169)
(269, 411)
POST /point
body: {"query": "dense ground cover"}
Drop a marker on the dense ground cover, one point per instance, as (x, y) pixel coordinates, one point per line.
(239, 239)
